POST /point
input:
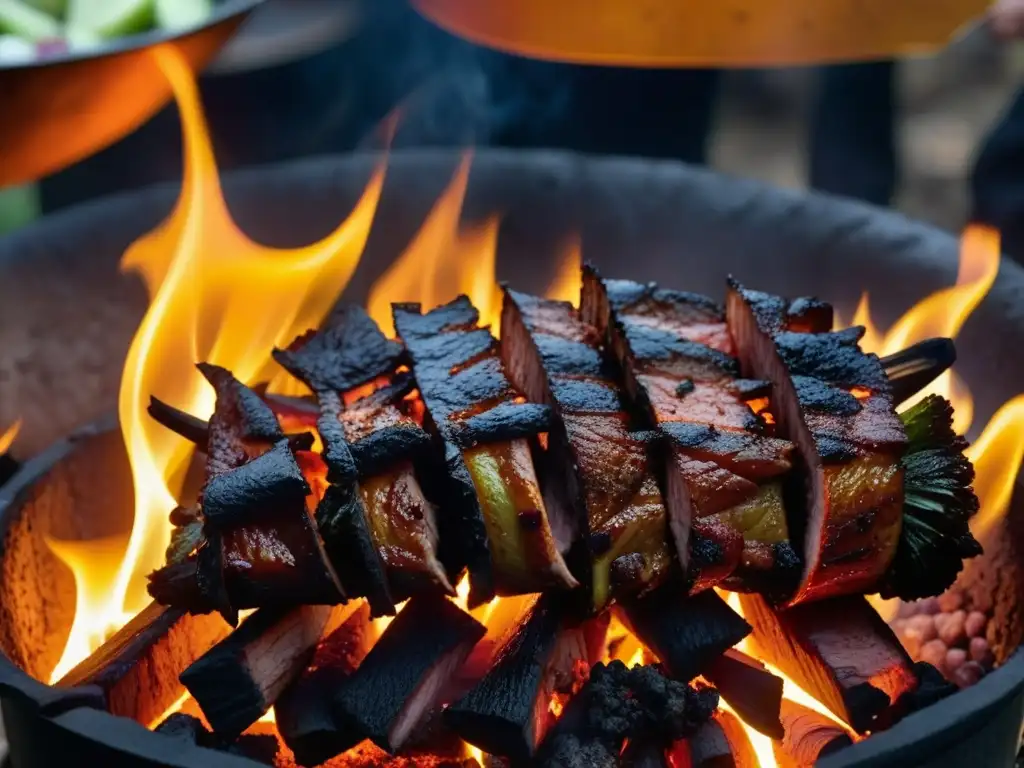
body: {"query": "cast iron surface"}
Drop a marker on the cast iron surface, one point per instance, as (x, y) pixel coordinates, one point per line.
(104, 94)
(67, 315)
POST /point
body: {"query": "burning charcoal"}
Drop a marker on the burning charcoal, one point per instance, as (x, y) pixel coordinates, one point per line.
(157, 638)
(485, 428)
(184, 727)
(722, 471)
(840, 652)
(259, 747)
(643, 753)
(751, 690)
(402, 679)
(604, 479)
(914, 368)
(304, 711)
(931, 687)
(241, 677)
(809, 736)
(507, 712)
(686, 634)
(619, 703)
(378, 526)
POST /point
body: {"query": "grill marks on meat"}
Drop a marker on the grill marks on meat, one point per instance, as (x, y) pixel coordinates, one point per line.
(502, 531)
(260, 546)
(723, 471)
(834, 402)
(377, 523)
(603, 474)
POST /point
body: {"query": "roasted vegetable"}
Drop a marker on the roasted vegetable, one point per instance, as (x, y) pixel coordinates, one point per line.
(601, 471)
(937, 505)
(722, 474)
(498, 525)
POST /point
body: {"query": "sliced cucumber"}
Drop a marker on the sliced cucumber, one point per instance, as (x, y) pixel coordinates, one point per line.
(182, 14)
(111, 18)
(24, 21)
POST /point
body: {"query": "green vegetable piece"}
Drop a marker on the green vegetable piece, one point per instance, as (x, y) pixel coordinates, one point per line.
(22, 20)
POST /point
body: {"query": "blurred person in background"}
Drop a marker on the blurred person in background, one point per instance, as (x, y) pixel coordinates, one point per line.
(997, 183)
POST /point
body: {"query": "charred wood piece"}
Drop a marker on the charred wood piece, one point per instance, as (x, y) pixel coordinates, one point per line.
(914, 368)
(809, 736)
(506, 713)
(721, 743)
(724, 502)
(462, 380)
(241, 677)
(932, 686)
(603, 475)
(189, 729)
(378, 526)
(403, 678)
(687, 634)
(137, 668)
(619, 703)
(840, 651)
(751, 690)
(305, 716)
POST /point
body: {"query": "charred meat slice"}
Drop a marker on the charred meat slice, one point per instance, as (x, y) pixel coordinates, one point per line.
(603, 474)
(258, 546)
(501, 530)
(378, 526)
(507, 712)
(838, 650)
(835, 402)
(723, 470)
(404, 677)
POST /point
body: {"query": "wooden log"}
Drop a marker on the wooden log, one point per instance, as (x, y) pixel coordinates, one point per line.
(753, 691)
(304, 711)
(839, 651)
(686, 633)
(719, 743)
(809, 736)
(743, 754)
(138, 667)
(241, 677)
(403, 678)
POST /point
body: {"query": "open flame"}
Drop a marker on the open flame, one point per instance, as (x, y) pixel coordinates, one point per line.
(8, 436)
(218, 296)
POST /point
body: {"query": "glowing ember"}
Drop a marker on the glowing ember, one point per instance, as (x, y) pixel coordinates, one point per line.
(8, 436)
(215, 296)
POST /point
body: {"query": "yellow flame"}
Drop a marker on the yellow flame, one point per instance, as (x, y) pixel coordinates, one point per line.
(8, 437)
(568, 278)
(443, 261)
(216, 296)
(997, 456)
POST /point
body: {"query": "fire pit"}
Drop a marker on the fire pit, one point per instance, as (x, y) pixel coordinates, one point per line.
(647, 221)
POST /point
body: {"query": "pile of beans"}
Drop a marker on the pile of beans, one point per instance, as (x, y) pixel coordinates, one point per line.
(949, 633)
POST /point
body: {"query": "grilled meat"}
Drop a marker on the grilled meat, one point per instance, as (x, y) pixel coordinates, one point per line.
(378, 526)
(835, 402)
(500, 529)
(603, 474)
(258, 546)
(723, 472)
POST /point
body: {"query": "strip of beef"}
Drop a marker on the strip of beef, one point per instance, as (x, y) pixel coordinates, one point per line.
(723, 471)
(500, 527)
(259, 546)
(603, 473)
(834, 402)
(378, 525)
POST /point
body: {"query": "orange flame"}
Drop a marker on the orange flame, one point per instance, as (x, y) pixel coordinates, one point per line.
(568, 278)
(8, 437)
(215, 296)
(443, 261)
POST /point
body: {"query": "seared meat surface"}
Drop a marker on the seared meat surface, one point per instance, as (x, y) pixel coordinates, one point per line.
(600, 467)
(501, 527)
(724, 468)
(834, 402)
